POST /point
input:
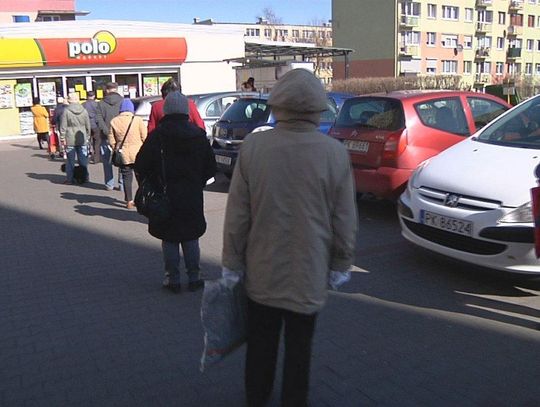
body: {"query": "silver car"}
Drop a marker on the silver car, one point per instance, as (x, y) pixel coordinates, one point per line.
(210, 105)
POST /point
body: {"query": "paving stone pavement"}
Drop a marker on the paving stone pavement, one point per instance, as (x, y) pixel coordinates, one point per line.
(84, 321)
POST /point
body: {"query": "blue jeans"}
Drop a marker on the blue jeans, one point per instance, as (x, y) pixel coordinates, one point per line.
(105, 153)
(81, 152)
(171, 258)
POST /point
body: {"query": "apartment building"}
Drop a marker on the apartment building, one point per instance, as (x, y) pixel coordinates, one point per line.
(17, 11)
(485, 41)
(264, 30)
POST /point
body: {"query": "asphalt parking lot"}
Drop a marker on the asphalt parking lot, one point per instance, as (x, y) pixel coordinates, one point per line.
(84, 321)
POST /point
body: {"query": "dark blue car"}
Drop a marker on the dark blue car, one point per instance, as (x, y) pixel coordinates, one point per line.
(246, 115)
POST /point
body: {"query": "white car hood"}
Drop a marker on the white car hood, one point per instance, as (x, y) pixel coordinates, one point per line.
(483, 171)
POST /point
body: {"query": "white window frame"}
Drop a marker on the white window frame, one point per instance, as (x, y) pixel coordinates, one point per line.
(449, 40)
(467, 67)
(431, 39)
(450, 13)
(449, 66)
(469, 15)
(467, 41)
(431, 11)
(499, 68)
(528, 68)
(500, 42)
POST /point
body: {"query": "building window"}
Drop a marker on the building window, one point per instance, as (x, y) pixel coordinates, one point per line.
(467, 41)
(485, 16)
(450, 12)
(530, 45)
(502, 17)
(431, 39)
(449, 41)
(469, 12)
(21, 19)
(499, 68)
(538, 22)
(530, 21)
(431, 66)
(432, 11)
(483, 67)
(538, 45)
(49, 18)
(537, 69)
(410, 38)
(500, 42)
(410, 8)
(268, 32)
(467, 67)
(449, 66)
(253, 32)
(528, 68)
(516, 19)
(296, 33)
(484, 42)
(516, 43)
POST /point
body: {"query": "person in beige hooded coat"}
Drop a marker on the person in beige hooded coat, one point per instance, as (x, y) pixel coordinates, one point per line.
(291, 218)
(127, 134)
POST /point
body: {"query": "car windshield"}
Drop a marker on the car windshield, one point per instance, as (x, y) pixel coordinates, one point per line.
(247, 110)
(371, 112)
(519, 128)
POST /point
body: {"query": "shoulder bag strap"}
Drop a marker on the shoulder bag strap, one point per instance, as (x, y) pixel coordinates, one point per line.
(125, 135)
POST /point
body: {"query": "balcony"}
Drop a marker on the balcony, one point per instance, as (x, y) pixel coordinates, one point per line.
(514, 30)
(484, 3)
(409, 51)
(482, 53)
(513, 53)
(482, 78)
(515, 5)
(483, 28)
(409, 21)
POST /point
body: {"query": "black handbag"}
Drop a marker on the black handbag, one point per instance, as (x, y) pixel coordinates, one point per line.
(151, 198)
(116, 157)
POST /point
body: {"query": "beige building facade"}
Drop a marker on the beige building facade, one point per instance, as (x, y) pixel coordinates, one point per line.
(485, 41)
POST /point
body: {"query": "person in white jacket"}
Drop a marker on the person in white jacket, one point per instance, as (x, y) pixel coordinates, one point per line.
(291, 220)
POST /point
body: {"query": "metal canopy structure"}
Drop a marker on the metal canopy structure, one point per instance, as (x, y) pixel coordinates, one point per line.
(262, 54)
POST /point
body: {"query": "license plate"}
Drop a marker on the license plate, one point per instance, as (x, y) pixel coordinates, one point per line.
(357, 145)
(461, 227)
(221, 159)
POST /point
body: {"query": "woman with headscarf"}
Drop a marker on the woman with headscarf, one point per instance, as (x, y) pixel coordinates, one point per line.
(189, 162)
(127, 135)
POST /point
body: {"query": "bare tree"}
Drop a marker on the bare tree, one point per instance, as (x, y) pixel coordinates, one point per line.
(322, 38)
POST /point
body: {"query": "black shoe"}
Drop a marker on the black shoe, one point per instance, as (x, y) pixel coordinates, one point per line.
(195, 285)
(175, 288)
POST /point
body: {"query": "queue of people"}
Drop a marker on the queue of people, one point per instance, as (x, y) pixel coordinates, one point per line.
(285, 230)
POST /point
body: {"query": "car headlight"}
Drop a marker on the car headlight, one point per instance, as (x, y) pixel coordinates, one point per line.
(522, 214)
(261, 128)
(413, 180)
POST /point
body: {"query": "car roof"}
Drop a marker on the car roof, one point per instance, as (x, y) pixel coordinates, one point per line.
(419, 94)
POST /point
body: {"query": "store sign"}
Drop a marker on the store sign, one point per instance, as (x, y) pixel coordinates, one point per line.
(103, 43)
(103, 48)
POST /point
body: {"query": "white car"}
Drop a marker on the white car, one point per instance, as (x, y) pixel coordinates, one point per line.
(472, 202)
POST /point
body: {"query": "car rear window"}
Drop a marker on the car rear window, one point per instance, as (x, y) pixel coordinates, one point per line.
(519, 128)
(372, 112)
(247, 110)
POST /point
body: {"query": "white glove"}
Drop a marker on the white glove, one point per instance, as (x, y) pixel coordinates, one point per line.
(232, 275)
(337, 278)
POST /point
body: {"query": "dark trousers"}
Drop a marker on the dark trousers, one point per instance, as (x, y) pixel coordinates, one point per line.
(263, 333)
(95, 141)
(127, 177)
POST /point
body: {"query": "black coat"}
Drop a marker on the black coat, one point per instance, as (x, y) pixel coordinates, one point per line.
(189, 163)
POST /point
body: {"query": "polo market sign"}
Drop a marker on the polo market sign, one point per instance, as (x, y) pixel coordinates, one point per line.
(103, 43)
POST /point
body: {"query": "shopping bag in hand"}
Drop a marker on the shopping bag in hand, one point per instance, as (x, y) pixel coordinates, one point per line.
(223, 314)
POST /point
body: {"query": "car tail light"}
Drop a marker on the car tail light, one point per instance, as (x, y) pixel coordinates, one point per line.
(394, 145)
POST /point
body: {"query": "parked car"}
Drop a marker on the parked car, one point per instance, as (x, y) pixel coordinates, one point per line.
(472, 202)
(210, 105)
(389, 135)
(252, 114)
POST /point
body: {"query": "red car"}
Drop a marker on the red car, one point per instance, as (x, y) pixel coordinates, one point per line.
(389, 135)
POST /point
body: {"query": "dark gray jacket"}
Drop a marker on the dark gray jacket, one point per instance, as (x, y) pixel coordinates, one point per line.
(106, 110)
(91, 107)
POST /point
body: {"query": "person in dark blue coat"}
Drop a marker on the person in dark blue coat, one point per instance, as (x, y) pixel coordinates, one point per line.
(189, 163)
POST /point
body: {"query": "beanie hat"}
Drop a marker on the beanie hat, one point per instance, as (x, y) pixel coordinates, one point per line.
(127, 106)
(299, 91)
(175, 102)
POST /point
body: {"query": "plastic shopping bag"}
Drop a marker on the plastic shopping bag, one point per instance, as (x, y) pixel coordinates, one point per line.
(223, 314)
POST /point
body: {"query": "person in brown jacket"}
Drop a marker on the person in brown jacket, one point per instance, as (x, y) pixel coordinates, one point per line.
(41, 122)
(290, 225)
(127, 134)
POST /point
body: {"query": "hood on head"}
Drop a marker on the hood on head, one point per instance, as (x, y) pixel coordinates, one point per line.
(113, 99)
(75, 108)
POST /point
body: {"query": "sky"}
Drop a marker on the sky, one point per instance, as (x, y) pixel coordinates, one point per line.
(182, 11)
